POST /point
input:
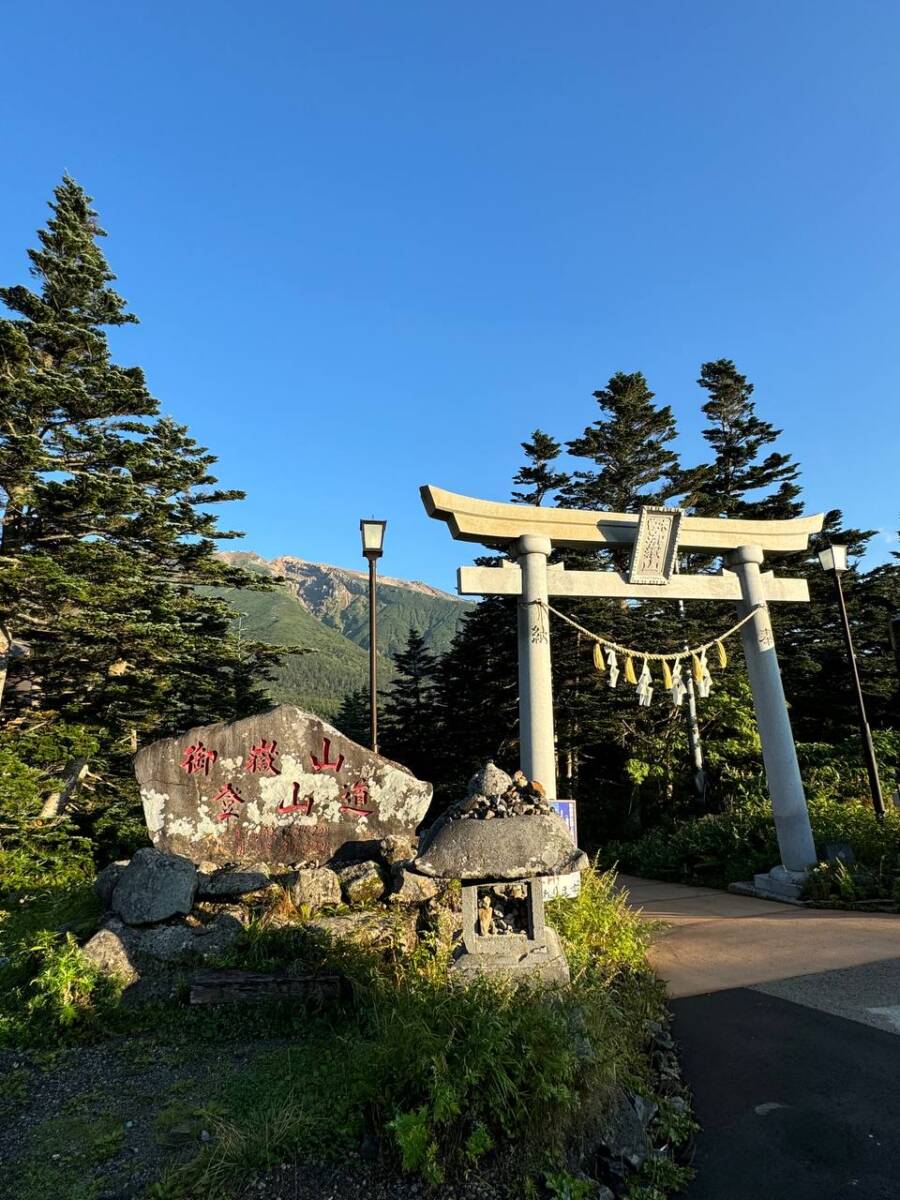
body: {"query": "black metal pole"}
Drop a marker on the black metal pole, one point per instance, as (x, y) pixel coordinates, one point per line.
(373, 655)
(868, 745)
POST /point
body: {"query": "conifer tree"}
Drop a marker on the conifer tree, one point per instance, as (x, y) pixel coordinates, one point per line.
(478, 695)
(537, 474)
(731, 484)
(811, 646)
(409, 724)
(353, 717)
(628, 449)
(105, 531)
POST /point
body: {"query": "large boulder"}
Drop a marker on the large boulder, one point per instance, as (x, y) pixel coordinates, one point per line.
(283, 787)
(512, 848)
(126, 952)
(153, 887)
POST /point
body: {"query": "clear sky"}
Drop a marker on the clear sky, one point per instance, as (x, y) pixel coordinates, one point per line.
(375, 245)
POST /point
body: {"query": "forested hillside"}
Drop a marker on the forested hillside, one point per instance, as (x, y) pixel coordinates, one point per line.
(324, 611)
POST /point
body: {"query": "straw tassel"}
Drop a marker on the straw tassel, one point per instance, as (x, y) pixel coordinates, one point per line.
(667, 675)
(723, 657)
(697, 669)
(630, 676)
(599, 660)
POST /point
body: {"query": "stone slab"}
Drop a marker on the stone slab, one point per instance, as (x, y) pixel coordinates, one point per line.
(281, 787)
(780, 884)
(506, 848)
(546, 963)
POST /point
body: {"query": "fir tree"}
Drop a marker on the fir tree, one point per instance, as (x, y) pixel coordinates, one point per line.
(353, 717)
(729, 486)
(628, 447)
(409, 723)
(105, 529)
(477, 694)
(537, 474)
(811, 647)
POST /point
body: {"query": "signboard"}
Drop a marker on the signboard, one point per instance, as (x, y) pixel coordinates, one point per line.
(564, 885)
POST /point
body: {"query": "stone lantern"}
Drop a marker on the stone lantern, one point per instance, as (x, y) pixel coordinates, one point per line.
(501, 841)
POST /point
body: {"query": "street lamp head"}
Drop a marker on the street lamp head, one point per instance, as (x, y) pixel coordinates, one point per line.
(833, 558)
(372, 538)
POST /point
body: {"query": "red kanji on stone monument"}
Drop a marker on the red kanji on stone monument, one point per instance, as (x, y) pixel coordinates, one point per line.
(198, 758)
(324, 763)
(229, 798)
(355, 798)
(297, 805)
(261, 759)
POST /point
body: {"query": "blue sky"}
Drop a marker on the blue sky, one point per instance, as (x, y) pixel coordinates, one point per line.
(375, 245)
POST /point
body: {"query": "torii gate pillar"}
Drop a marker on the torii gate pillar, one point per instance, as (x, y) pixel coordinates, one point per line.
(537, 741)
(795, 839)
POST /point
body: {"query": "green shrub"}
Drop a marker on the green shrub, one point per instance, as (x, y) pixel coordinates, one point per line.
(67, 988)
(722, 848)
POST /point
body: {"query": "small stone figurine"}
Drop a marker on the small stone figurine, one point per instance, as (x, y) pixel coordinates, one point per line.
(485, 915)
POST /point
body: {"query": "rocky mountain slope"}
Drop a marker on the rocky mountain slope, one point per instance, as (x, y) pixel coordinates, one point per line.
(326, 610)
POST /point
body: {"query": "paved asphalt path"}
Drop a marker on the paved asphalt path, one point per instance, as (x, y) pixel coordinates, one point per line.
(788, 1021)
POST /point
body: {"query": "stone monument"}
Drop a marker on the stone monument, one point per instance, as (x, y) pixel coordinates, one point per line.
(283, 787)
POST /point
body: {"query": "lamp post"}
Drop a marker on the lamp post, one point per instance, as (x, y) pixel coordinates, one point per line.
(373, 547)
(834, 560)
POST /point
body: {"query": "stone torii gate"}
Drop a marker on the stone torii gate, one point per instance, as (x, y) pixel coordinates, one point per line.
(529, 533)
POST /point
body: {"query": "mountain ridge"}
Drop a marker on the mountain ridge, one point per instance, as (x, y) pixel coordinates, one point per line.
(325, 609)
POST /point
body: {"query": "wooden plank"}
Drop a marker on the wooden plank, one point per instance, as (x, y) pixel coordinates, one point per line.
(250, 987)
(507, 581)
(493, 524)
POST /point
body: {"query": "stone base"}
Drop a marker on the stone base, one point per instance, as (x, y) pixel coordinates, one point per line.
(777, 884)
(546, 963)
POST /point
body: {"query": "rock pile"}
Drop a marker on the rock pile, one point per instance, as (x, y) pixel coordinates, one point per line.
(492, 793)
(503, 910)
(164, 912)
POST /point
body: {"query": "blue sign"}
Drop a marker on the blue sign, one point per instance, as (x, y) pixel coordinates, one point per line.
(566, 809)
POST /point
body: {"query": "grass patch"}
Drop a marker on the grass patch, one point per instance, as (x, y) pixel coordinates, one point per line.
(62, 1154)
(444, 1074)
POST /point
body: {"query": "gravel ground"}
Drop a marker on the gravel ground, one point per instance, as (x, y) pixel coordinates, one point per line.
(85, 1123)
(53, 1103)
